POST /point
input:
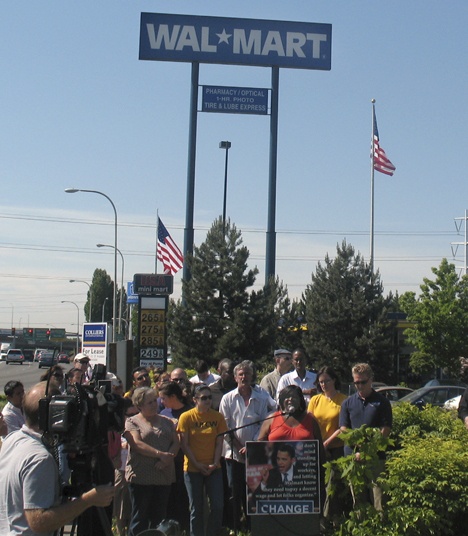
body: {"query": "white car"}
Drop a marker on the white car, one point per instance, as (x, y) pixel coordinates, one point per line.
(14, 356)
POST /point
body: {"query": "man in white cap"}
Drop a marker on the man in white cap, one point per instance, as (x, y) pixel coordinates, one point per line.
(81, 362)
(282, 366)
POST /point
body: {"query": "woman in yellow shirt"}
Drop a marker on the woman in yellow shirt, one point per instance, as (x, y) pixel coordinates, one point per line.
(325, 407)
(201, 430)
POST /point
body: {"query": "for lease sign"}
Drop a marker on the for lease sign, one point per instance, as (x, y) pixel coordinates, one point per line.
(267, 43)
(95, 342)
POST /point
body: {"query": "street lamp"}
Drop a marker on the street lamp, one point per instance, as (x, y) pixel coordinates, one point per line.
(77, 325)
(114, 305)
(225, 145)
(103, 309)
(90, 296)
(122, 280)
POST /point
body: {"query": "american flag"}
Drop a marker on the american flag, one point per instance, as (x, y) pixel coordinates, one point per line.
(381, 161)
(167, 251)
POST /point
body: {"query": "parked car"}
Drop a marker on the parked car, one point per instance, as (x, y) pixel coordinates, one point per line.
(47, 359)
(394, 392)
(63, 358)
(435, 395)
(446, 381)
(14, 355)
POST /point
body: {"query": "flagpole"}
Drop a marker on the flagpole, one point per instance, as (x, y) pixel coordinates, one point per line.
(156, 248)
(371, 261)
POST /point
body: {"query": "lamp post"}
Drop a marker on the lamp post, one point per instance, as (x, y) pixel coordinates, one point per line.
(90, 296)
(77, 325)
(103, 309)
(225, 145)
(114, 305)
(122, 281)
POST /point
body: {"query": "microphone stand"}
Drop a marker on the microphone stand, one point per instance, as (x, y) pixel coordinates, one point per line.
(231, 433)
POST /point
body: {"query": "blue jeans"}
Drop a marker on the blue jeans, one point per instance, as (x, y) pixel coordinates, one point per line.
(149, 504)
(213, 484)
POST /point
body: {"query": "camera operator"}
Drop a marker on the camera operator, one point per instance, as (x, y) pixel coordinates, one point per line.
(30, 501)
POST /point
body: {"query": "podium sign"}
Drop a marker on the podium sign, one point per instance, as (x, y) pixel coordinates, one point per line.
(283, 486)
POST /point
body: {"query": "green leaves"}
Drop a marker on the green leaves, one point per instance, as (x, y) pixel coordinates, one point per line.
(440, 316)
(426, 477)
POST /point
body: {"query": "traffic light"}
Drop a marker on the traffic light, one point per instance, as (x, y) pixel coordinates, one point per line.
(48, 333)
(13, 331)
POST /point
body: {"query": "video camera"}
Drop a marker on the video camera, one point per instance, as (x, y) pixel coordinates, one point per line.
(80, 419)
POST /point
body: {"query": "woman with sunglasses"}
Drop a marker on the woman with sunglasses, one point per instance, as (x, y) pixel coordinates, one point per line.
(199, 430)
(54, 376)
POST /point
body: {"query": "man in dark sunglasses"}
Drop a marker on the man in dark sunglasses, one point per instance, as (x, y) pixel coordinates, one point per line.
(141, 378)
(368, 407)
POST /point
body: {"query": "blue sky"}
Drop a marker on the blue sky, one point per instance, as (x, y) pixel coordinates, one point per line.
(78, 109)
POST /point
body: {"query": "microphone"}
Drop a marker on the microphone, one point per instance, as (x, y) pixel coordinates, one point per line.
(291, 409)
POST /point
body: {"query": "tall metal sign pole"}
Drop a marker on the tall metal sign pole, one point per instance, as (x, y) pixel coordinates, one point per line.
(263, 43)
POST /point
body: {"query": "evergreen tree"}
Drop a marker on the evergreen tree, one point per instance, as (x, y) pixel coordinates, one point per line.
(346, 315)
(221, 315)
(440, 315)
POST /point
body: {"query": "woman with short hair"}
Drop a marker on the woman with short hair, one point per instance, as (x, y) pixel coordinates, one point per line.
(153, 444)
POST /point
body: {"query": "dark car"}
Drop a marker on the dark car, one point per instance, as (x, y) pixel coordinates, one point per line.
(435, 395)
(394, 392)
(63, 358)
(47, 359)
(28, 355)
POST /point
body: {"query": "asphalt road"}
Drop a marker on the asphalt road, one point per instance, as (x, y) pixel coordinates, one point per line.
(28, 374)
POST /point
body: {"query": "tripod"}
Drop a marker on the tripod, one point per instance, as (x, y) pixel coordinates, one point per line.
(89, 469)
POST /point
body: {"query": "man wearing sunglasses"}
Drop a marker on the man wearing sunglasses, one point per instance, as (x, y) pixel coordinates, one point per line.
(368, 407)
(141, 378)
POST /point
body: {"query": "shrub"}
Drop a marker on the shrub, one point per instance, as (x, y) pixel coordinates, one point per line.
(426, 477)
(430, 477)
(411, 423)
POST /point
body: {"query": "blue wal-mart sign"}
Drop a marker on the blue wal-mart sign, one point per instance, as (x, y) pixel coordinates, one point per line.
(267, 43)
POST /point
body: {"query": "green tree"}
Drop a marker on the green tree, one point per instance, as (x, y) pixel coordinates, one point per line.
(440, 316)
(102, 288)
(221, 315)
(346, 315)
(291, 325)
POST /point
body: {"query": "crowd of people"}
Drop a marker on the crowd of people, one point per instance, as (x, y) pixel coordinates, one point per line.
(182, 454)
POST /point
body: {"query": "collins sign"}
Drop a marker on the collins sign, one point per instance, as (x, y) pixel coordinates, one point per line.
(266, 43)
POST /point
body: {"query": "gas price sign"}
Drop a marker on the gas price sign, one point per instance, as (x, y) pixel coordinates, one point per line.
(152, 331)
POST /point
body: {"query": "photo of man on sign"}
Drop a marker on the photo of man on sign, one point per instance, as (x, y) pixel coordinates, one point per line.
(283, 477)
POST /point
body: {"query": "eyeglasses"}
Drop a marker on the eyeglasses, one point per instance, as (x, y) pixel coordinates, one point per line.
(363, 382)
(177, 380)
(142, 377)
(205, 397)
